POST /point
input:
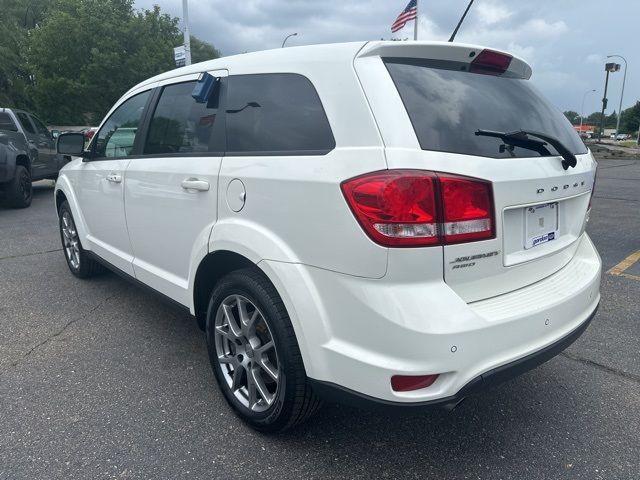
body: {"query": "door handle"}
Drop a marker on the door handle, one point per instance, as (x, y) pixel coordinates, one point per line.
(114, 178)
(195, 184)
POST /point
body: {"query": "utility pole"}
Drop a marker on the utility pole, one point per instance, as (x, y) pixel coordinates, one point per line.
(187, 35)
(624, 80)
(609, 67)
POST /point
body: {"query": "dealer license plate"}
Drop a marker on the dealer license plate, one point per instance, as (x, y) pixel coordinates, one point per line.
(541, 224)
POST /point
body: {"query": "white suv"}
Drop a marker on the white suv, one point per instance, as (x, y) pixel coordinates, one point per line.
(386, 222)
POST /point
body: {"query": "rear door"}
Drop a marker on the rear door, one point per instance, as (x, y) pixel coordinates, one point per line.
(171, 189)
(46, 146)
(539, 207)
(39, 154)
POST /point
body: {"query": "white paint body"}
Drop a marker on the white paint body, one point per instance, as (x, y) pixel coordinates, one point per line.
(361, 312)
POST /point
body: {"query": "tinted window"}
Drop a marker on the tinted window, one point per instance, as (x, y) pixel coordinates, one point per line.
(276, 113)
(447, 106)
(6, 122)
(24, 121)
(42, 129)
(180, 124)
(117, 136)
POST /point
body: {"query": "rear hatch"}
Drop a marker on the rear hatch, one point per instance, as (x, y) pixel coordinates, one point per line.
(456, 98)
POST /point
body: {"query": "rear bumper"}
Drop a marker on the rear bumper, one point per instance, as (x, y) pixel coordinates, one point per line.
(357, 333)
(335, 393)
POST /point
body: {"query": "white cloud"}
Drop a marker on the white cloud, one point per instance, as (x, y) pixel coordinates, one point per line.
(559, 38)
(491, 13)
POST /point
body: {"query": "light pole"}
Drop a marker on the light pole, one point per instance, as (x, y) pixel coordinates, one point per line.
(624, 80)
(582, 108)
(609, 67)
(287, 38)
(187, 35)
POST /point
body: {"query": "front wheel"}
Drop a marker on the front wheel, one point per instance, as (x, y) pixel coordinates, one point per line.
(78, 261)
(254, 353)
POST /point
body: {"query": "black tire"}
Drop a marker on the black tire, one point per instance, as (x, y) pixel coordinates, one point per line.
(293, 400)
(81, 265)
(19, 190)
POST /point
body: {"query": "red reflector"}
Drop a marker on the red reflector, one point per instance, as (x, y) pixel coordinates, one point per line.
(408, 383)
(491, 62)
(468, 209)
(415, 208)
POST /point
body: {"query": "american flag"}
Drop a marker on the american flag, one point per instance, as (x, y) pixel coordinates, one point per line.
(408, 14)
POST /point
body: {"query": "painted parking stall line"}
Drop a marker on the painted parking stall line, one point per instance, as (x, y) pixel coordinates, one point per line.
(620, 269)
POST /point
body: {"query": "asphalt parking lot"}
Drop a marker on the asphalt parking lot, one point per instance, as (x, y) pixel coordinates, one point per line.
(98, 379)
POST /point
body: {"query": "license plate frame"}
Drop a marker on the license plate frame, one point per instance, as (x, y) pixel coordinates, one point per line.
(541, 224)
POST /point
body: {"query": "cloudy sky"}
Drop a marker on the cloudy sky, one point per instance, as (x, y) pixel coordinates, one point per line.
(565, 41)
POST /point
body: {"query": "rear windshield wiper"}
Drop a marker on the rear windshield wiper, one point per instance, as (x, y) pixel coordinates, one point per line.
(521, 138)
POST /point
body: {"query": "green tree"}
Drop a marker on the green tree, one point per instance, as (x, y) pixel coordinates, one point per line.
(630, 121)
(16, 17)
(202, 51)
(573, 117)
(86, 53)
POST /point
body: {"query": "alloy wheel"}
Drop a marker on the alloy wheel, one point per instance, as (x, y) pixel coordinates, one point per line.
(247, 353)
(70, 240)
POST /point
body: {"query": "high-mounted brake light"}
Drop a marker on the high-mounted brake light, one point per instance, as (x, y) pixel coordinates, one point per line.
(490, 62)
(416, 208)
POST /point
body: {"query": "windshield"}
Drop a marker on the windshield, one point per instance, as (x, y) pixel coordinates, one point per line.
(447, 105)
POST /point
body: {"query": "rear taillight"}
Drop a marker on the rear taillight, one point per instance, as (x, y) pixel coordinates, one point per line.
(490, 62)
(416, 208)
(593, 189)
(467, 209)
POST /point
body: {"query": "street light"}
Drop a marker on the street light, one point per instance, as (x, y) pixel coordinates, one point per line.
(624, 80)
(582, 108)
(288, 37)
(609, 67)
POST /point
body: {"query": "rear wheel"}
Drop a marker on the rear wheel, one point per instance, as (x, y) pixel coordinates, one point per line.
(19, 190)
(254, 353)
(78, 261)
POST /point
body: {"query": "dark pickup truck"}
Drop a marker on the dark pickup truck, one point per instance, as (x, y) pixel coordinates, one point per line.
(27, 153)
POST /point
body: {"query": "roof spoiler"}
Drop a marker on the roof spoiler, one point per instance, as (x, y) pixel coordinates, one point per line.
(453, 52)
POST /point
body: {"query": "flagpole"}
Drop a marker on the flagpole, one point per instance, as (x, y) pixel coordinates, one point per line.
(415, 26)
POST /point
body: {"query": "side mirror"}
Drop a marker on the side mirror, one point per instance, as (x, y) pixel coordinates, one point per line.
(71, 144)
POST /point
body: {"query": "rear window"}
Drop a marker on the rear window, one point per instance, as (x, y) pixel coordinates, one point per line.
(276, 114)
(448, 105)
(6, 122)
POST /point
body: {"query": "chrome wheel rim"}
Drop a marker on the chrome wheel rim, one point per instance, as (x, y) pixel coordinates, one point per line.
(70, 241)
(247, 353)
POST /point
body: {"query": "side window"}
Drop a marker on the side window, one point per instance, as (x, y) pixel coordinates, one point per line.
(25, 122)
(42, 129)
(118, 134)
(276, 113)
(180, 124)
(6, 122)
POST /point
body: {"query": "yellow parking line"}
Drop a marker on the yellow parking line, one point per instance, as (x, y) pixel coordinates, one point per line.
(619, 269)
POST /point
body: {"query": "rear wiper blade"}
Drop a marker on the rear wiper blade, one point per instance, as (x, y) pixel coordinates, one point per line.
(521, 138)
